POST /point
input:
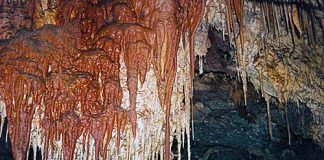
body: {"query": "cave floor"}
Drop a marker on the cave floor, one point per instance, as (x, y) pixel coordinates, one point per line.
(220, 132)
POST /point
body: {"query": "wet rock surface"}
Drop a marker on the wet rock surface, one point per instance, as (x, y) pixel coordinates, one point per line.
(223, 130)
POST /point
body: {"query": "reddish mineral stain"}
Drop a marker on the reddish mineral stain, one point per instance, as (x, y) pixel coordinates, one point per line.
(77, 62)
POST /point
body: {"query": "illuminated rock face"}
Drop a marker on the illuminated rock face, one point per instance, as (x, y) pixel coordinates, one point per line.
(114, 78)
(282, 53)
(104, 79)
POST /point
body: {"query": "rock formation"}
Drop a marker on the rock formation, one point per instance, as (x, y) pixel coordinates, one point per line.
(83, 79)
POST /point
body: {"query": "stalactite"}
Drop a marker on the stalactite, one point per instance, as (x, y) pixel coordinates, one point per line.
(286, 17)
(312, 29)
(263, 17)
(222, 18)
(228, 20)
(288, 126)
(277, 17)
(98, 66)
(236, 6)
(3, 115)
(295, 18)
(202, 42)
(291, 24)
(90, 65)
(267, 99)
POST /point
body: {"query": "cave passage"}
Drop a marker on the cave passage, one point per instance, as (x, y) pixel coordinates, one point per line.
(161, 79)
(225, 128)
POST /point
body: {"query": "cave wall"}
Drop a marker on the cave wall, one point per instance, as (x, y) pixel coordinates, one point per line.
(282, 53)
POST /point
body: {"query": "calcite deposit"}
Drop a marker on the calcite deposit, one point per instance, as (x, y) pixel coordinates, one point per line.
(90, 79)
(96, 78)
(279, 49)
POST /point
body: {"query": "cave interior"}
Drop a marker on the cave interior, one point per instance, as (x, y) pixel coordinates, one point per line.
(162, 79)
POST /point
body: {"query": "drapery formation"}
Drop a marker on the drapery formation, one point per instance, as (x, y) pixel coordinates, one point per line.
(96, 78)
(105, 78)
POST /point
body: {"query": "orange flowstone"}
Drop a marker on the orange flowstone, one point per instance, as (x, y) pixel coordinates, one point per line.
(77, 62)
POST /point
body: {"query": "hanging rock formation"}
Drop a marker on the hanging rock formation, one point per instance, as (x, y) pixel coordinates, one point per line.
(279, 49)
(97, 78)
(83, 79)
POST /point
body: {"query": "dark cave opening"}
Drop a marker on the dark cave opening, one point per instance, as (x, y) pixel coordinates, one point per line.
(5, 147)
(225, 130)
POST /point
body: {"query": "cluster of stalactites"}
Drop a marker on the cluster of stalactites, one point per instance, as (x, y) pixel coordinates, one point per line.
(229, 13)
(300, 21)
(77, 90)
(278, 18)
(297, 21)
(62, 85)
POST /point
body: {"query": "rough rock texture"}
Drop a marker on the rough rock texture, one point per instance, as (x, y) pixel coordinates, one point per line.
(128, 65)
(100, 78)
(227, 130)
(282, 53)
(287, 67)
(15, 16)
